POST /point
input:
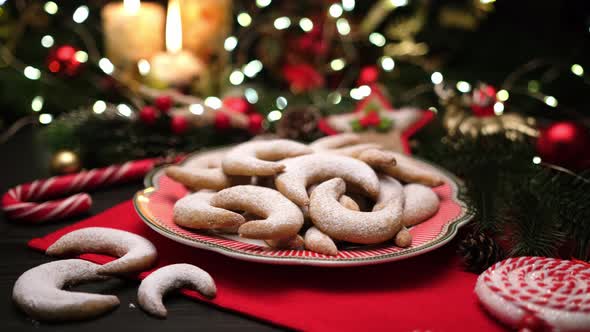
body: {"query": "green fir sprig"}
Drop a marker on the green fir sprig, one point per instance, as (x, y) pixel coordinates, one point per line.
(530, 209)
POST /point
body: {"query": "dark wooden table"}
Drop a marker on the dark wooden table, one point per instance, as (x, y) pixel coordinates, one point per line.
(24, 158)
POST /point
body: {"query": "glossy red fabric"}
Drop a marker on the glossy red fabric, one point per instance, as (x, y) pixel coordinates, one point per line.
(430, 292)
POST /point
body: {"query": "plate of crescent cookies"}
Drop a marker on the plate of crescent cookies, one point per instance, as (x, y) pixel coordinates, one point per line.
(334, 202)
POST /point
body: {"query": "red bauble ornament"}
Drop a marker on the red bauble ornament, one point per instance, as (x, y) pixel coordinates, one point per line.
(179, 124)
(238, 104)
(222, 120)
(255, 123)
(62, 60)
(368, 75)
(565, 143)
(163, 103)
(148, 115)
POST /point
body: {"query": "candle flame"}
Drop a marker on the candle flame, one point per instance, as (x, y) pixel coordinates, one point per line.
(131, 6)
(173, 28)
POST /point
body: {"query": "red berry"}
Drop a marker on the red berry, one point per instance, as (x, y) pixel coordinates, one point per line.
(255, 123)
(62, 60)
(163, 103)
(364, 122)
(370, 119)
(375, 118)
(148, 115)
(238, 104)
(222, 120)
(179, 124)
(368, 75)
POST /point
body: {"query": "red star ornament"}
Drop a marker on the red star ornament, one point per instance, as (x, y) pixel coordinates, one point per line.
(404, 122)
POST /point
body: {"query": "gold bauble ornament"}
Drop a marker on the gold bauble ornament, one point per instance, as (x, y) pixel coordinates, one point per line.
(458, 119)
(65, 162)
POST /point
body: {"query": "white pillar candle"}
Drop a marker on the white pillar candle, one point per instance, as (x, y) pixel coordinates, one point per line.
(175, 67)
(132, 31)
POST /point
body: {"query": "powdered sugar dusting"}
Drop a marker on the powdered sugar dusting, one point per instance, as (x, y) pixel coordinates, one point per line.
(421, 203)
(300, 172)
(389, 188)
(167, 278)
(317, 241)
(353, 226)
(258, 157)
(282, 217)
(409, 170)
(136, 253)
(195, 211)
(38, 291)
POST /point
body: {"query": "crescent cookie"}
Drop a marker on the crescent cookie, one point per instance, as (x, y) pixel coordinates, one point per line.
(158, 283)
(39, 293)
(345, 200)
(206, 159)
(282, 218)
(403, 238)
(349, 203)
(353, 226)
(377, 157)
(203, 171)
(195, 211)
(335, 141)
(409, 170)
(342, 144)
(389, 188)
(135, 253)
(319, 242)
(354, 150)
(258, 158)
(289, 243)
(203, 178)
(301, 172)
(421, 203)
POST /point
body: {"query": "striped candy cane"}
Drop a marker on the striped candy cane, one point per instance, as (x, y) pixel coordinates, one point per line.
(32, 201)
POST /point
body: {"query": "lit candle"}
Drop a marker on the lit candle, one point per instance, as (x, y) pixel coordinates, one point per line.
(175, 67)
(205, 25)
(132, 31)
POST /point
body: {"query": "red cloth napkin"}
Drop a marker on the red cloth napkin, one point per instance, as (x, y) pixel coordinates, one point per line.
(430, 292)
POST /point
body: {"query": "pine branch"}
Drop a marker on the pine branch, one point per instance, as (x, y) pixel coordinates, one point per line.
(531, 226)
(110, 138)
(489, 165)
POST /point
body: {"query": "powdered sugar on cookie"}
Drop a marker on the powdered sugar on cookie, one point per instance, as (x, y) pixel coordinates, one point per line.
(303, 171)
(136, 253)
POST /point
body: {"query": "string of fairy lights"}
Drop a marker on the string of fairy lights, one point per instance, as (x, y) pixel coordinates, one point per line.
(252, 68)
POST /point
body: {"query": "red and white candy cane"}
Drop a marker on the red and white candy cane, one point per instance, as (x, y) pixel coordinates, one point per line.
(538, 293)
(29, 201)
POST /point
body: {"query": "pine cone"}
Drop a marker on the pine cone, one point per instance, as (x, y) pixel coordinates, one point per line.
(479, 251)
(299, 123)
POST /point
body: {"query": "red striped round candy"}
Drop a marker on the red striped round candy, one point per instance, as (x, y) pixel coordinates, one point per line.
(550, 292)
